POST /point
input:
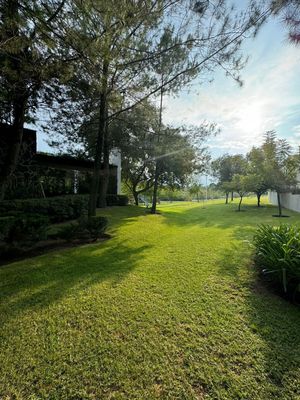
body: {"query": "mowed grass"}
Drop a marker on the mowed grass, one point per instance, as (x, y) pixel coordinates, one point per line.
(168, 308)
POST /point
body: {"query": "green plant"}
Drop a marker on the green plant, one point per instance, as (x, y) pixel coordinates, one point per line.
(23, 228)
(68, 232)
(116, 200)
(57, 209)
(20, 230)
(96, 226)
(28, 228)
(6, 224)
(83, 228)
(122, 200)
(112, 200)
(278, 254)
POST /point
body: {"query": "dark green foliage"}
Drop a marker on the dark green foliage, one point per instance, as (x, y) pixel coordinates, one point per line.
(67, 207)
(6, 224)
(165, 197)
(23, 228)
(30, 227)
(16, 206)
(57, 209)
(84, 228)
(112, 200)
(19, 232)
(122, 200)
(278, 254)
(116, 200)
(68, 232)
(95, 226)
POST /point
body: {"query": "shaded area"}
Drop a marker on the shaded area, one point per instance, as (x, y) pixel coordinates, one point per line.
(269, 318)
(277, 324)
(38, 285)
(224, 216)
(274, 321)
(43, 247)
(123, 215)
(46, 279)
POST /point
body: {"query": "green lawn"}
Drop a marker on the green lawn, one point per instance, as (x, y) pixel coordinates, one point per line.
(168, 308)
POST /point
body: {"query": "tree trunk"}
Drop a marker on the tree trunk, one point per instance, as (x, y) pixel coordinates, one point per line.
(136, 192)
(226, 200)
(258, 199)
(99, 144)
(13, 151)
(231, 196)
(241, 199)
(157, 166)
(279, 205)
(136, 197)
(155, 188)
(104, 180)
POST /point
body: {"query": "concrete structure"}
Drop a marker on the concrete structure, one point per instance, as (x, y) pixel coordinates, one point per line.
(115, 159)
(288, 200)
(72, 168)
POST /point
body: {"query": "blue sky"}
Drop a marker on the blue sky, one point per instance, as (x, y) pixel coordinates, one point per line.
(269, 99)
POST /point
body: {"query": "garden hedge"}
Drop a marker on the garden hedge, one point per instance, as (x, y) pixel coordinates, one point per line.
(57, 209)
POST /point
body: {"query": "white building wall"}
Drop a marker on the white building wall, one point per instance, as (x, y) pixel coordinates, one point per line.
(288, 200)
(115, 159)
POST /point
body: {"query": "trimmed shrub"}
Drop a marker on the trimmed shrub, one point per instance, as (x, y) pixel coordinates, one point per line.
(57, 209)
(96, 226)
(6, 224)
(122, 200)
(65, 208)
(112, 200)
(116, 200)
(68, 232)
(24, 228)
(277, 252)
(83, 228)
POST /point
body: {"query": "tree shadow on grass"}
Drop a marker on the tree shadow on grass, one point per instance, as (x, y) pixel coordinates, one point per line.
(122, 215)
(41, 281)
(233, 258)
(273, 320)
(277, 322)
(218, 215)
(270, 323)
(224, 216)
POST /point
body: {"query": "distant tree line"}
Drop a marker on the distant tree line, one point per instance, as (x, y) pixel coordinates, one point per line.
(271, 166)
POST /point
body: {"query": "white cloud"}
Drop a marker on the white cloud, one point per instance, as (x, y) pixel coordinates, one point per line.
(268, 100)
(296, 131)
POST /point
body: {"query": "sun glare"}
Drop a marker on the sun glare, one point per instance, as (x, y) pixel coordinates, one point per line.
(250, 119)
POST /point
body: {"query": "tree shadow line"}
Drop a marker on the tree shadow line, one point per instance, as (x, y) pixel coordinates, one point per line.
(222, 215)
(274, 320)
(44, 280)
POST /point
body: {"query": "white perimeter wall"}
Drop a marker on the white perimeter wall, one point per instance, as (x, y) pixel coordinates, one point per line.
(288, 200)
(115, 158)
